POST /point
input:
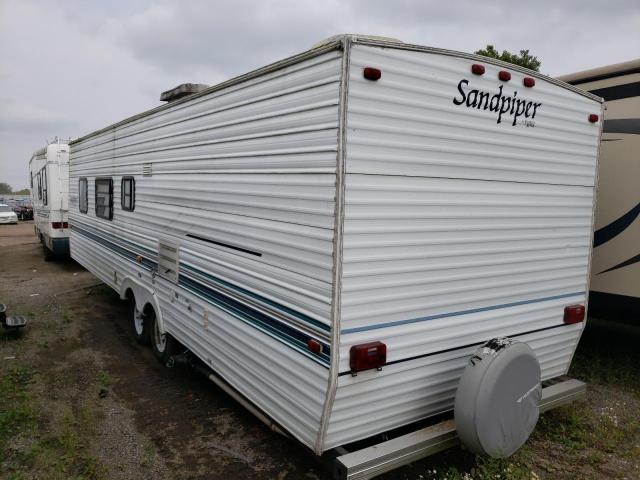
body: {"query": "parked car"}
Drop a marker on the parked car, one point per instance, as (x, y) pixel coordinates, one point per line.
(24, 210)
(7, 215)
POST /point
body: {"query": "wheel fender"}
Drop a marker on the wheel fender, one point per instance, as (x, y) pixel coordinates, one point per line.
(144, 296)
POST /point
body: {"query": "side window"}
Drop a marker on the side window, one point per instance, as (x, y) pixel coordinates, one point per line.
(44, 186)
(128, 194)
(104, 198)
(31, 181)
(83, 194)
(39, 186)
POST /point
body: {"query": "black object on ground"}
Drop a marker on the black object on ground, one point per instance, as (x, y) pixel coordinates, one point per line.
(11, 323)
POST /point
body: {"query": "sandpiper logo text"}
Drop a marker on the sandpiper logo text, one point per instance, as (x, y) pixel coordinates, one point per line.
(503, 105)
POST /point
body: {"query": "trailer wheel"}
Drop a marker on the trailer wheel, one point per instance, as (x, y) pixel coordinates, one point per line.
(139, 324)
(164, 346)
(48, 254)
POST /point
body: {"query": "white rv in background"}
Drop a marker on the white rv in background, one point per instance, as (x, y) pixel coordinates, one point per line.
(334, 235)
(49, 180)
(615, 281)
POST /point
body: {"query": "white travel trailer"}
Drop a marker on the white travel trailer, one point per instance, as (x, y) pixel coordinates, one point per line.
(615, 282)
(49, 180)
(335, 234)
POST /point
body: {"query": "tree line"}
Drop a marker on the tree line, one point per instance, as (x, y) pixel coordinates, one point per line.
(5, 189)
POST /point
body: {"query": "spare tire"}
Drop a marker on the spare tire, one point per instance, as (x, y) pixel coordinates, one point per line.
(498, 398)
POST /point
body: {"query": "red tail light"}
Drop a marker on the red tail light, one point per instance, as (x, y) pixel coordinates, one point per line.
(371, 73)
(593, 118)
(574, 314)
(528, 82)
(59, 225)
(504, 75)
(477, 69)
(314, 346)
(367, 356)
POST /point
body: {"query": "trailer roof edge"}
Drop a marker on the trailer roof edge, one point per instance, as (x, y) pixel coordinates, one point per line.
(602, 73)
(272, 67)
(480, 58)
(336, 44)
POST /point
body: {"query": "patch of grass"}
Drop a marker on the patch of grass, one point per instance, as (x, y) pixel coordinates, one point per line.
(608, 353)
(149, 454)
(67, 317)
(56, 449)
(485, 469)
(566, 425)
(104, 378)
(62, 452)
(17, 413)
(578, 428)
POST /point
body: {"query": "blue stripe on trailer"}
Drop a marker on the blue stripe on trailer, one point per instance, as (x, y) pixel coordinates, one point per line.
(276, 329)
(262, 299)
(458, 313)
(279, 330)
(119, 250)
(150, 264)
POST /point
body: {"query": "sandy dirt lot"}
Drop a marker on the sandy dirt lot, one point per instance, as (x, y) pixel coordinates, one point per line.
(80, 399)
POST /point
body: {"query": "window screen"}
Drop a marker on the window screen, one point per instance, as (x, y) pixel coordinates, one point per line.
(128, 195)
(83, 192)
(104, 198)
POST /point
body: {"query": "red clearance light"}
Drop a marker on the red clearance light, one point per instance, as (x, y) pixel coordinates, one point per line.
(59, 225)
(372, 74)
(477, 69)
(593, 118)
(314, 346)
(367, 356)
(573, 314)
(528, 82)
(504, 75)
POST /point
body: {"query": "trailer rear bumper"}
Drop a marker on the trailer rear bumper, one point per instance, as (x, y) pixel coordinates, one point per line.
(383, 457)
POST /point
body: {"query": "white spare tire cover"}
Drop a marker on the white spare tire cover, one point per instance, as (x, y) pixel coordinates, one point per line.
(498, 399)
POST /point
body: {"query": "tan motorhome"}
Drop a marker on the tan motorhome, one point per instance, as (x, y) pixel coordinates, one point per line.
(615, 273)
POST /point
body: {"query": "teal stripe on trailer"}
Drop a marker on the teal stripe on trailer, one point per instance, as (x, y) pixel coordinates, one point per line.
(244, 291)
(262, 299)
(269, 325)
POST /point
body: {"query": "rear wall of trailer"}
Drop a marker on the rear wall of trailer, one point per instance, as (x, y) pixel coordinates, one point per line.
(49, 176)
(457, 229)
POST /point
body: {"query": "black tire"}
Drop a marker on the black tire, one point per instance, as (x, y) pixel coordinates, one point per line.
(48, 254)
(163, 346)
(138, 323)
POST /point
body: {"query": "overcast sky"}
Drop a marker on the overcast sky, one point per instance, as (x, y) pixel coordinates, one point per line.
(70, 67)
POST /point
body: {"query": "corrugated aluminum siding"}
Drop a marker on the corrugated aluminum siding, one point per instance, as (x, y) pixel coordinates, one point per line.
(456, 230)
(252, 166)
